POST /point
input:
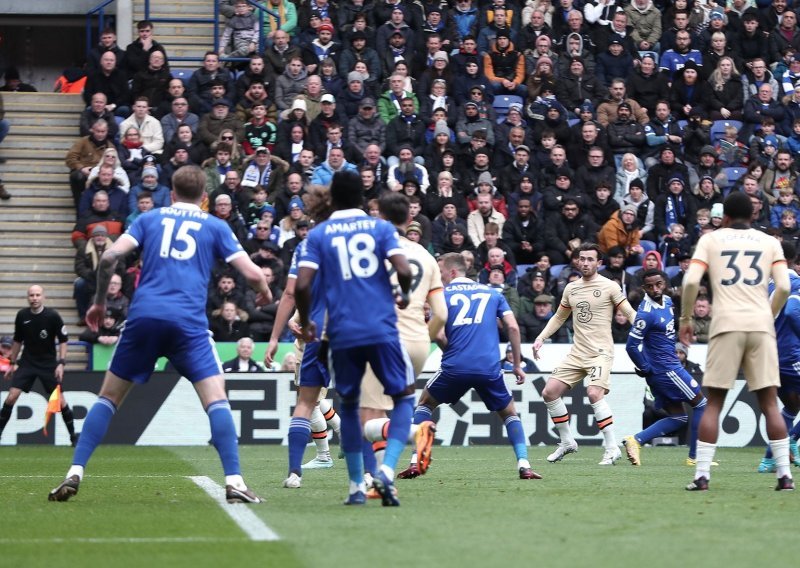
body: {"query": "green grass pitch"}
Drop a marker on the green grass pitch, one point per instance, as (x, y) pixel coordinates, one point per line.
(137, 507)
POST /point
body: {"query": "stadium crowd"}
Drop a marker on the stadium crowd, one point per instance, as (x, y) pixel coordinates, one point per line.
(518, 130)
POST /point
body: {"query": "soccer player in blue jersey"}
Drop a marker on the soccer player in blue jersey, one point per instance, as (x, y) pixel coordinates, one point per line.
(470, 355)
(787, 330)
(312, 375)
(179, 245)
(651, 347)
(346, 255)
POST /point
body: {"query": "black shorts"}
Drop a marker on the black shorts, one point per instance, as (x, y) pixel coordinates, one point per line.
(26, 374)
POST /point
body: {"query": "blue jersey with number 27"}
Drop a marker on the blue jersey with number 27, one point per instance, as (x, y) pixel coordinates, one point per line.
(471, 329)
(348, 252)
(179, 245)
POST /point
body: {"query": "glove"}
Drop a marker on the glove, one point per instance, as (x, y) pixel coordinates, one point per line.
(641, 373)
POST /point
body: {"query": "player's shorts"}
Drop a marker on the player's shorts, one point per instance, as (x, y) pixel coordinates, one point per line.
(312, 372)
(755, 352)
(372, 390)
(27, 373)
(790, 378)
(597, 371)
(448, 388)
(144, 340)
(389, 361)
(675, 385)
(299, 348)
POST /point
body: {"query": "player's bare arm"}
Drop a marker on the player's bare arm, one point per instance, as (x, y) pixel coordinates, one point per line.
(15, 349)
(282, 315)
(255, 278)
(780, 275)
(691, 286)
(514, 338)
(438, 312)
(302, 297)
(561, 315)
(105, 270)
(403, 270)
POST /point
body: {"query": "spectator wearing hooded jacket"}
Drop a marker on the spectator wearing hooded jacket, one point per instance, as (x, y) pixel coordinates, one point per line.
(504, 66)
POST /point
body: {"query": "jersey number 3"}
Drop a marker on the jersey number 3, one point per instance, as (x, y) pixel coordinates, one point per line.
(180, 244)
(356, 255)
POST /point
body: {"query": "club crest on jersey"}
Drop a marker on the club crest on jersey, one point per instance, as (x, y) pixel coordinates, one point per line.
(43, 334)
(596, 293)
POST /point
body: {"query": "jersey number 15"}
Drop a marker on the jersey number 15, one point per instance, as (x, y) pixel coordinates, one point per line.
(170, 237)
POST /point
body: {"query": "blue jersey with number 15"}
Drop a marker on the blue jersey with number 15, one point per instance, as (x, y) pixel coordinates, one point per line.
(471, 329)
(348, 252)
(179, 245)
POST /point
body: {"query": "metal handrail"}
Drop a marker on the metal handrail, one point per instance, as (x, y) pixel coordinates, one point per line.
(100, 10)
(215, 22)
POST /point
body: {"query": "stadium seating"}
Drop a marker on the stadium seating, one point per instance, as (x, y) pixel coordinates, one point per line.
(672, 270)
(502, 102)
(718, 129)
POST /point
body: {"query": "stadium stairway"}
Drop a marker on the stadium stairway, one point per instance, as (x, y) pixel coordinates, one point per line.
(35, 224)
(181, 39)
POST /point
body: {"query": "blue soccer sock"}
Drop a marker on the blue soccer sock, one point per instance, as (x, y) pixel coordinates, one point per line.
(661, 428)
(788, 418)
(370, 461)
(351, 440)
(794, 433)
(697, 415)
(399, 427)
(516, 435)
(299, 432)
(223, 436)
(422, 414)
(94, 430)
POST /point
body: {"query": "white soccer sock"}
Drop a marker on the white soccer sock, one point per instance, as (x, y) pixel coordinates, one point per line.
(780, 451)
(605, 421)
(373, 429)
(331, 416)
(76, 470)
(389, 472)
(523, 463)
(236, 481)
(558, 411)
(355, 487)
(318, 424)
(705, 455)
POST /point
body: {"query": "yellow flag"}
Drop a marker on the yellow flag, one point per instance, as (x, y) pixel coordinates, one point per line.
(53, 406)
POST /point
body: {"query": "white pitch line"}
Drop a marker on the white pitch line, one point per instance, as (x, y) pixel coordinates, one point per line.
(247, 520)
(118, 540)
(92, 476)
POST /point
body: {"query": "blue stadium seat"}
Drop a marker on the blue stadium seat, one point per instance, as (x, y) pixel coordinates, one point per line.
(733, 175)
(556, 269)
(632, 269)
(672, 270)
(573, 121)
(182, 74)
(718, 129)
(502, 102)
(647, 246)
(523, 268)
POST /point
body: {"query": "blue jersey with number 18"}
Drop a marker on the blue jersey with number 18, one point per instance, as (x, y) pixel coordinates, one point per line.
(179, 245)
(471, 329)
(348, 252)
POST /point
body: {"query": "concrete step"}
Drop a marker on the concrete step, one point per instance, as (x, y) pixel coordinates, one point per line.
(40, 154)
(63, 228)
(36, 215)
(169, 9)
(58, 177)
(13, 105)
(51, 264)
(57, 242)
(19, 169)
(43, 121)
(69, 131)
(27, 198)
(40, 141)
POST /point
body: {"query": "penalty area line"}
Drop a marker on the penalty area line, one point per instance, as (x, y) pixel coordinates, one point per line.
(246, 519)
(119, 540)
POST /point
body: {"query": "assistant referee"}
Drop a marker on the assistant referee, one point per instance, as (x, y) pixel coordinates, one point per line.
(37, 328)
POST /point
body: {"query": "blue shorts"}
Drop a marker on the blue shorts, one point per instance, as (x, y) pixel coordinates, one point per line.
(144, 340)
(389, 361)
(790, 380)
(312, 372)
(675, 385)
(447, 389)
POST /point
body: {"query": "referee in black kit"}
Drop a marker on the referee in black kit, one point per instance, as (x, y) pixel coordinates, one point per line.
(37, 328)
